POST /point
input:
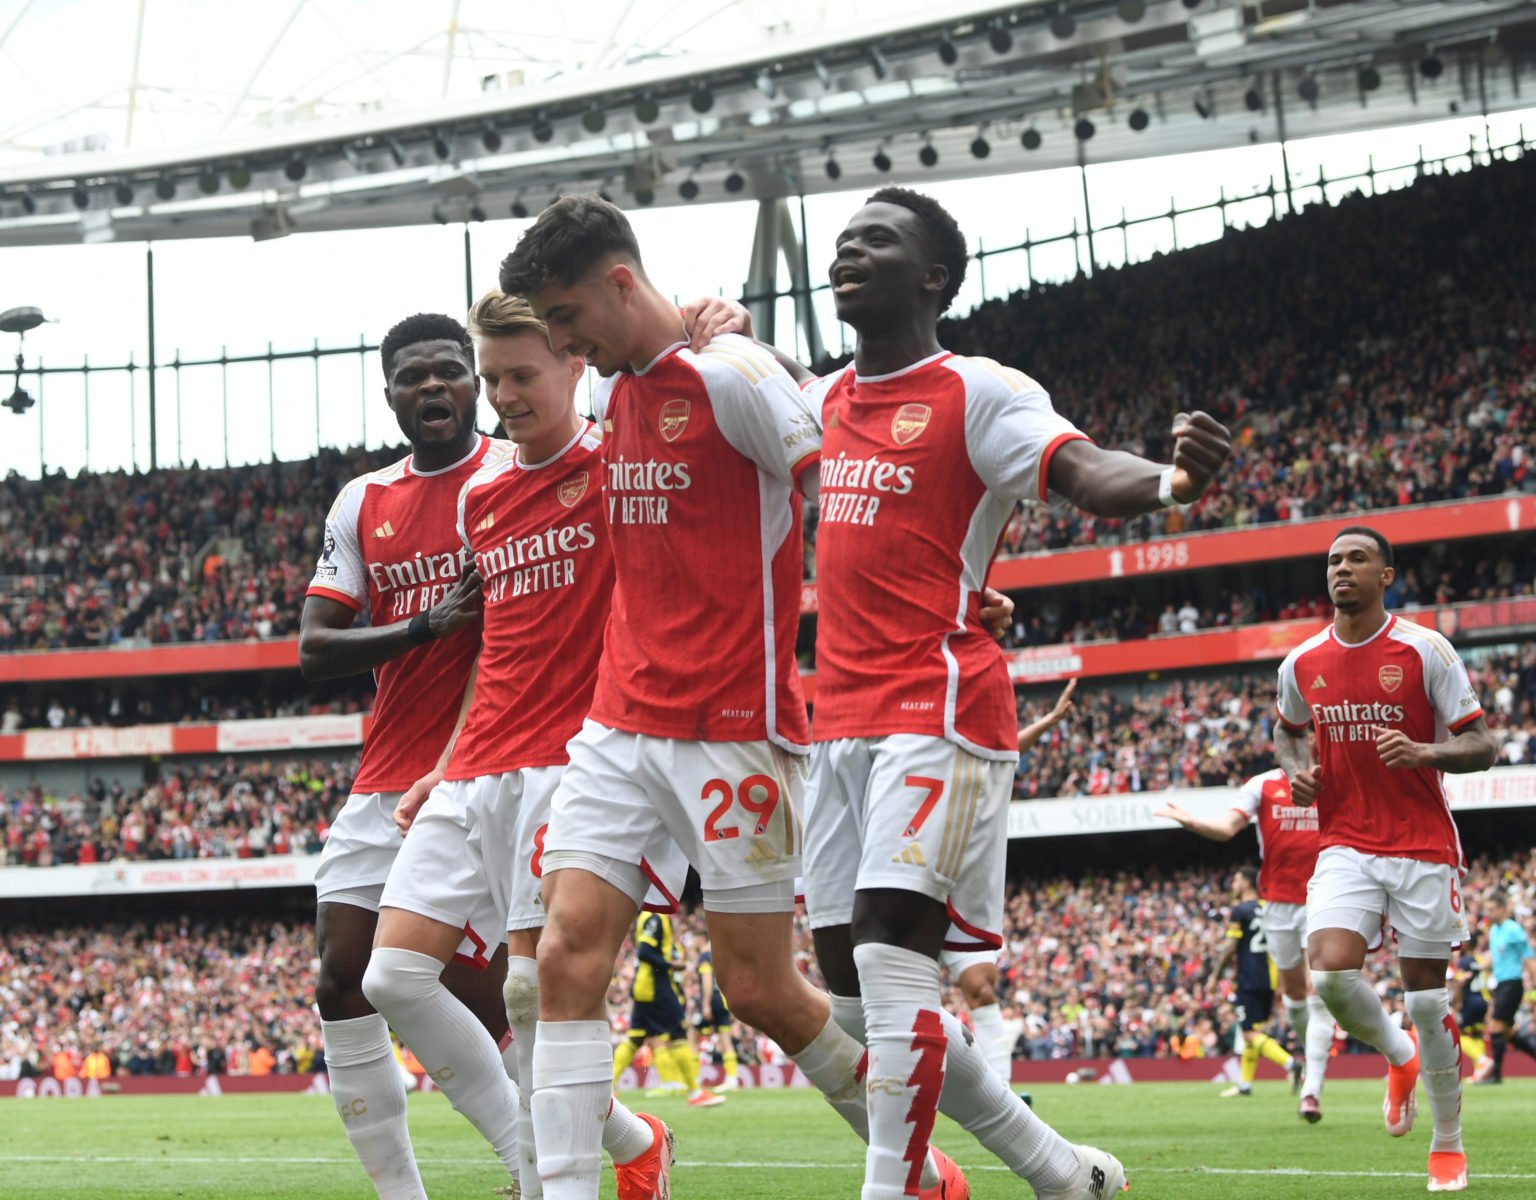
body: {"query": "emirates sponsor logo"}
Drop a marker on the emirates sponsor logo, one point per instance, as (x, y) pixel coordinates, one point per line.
(1375, 713)
(909, 422)
(673, 419)
(572, 489)
(1390, 677)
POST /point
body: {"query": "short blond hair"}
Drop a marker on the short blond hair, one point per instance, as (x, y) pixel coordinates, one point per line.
(497, 314)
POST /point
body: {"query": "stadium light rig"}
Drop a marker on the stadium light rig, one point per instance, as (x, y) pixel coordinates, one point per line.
(19, 321)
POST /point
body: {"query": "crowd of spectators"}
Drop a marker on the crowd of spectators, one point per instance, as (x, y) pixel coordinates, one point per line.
(169, 998)
(1110, 966)
(1375, 353)
(1343, 398)
(1197, 732)
(177, 555)
(180, 700)
(1189, 732)
(244, 809)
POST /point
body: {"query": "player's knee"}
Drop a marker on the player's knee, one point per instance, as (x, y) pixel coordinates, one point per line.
(339, 991)
(1333, 987)
(570, 966)
(390, 984)
(520, 995)
(981, 995)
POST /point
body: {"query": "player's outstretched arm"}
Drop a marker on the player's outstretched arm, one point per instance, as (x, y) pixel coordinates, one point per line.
(1471, 748)
(1112, 483)
(710, 316)
(1035, 730)
(1221, 829)
(330, 647)
(1295, 759)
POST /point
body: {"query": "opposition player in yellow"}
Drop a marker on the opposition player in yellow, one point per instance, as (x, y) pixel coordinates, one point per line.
(658, 1016)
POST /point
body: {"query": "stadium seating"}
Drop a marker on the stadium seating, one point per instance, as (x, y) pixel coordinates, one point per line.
(1114, 966)
(239, 809)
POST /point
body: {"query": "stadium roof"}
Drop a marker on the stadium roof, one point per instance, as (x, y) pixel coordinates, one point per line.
(180, 119)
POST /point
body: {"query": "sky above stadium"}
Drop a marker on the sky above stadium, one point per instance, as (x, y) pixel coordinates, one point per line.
(337, 289)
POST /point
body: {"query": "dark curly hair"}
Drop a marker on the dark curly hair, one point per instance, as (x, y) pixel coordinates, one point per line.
(571, 236)
(424, 327)
(945, 241)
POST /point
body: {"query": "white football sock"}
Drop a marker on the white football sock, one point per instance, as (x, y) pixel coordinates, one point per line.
(834, 1063)
(1319, 1044)
(520, 993)
(907, 1047)
(1358, 1011)
(625, 1136)
(459, 1055)
(1296, 1015)
(848, 1015)
(978, 1101)
(368, 1093)
(1439, 1062)
(572, 1091)
(992, 1038)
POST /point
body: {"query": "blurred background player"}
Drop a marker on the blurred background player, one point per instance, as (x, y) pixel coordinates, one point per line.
(974, 972)
(1255, 1000)
(659, 1016)
(1469, 988)
(391, 554)
(1510, 966)
(1391, 707)
(715, 1020)
(1287, 835)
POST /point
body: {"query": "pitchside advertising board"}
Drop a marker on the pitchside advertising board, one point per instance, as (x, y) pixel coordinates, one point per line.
(1502, 787)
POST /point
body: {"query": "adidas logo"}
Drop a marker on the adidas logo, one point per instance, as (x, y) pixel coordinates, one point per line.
(832, 421)
(485, 523)
(608, 425)
(912, 856)
(1319, 682)
(761, 852)
(384, 530)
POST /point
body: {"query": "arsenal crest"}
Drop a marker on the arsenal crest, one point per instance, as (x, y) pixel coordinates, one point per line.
(1390, 677)
(572, 489)
(673, 419)
(910, 421)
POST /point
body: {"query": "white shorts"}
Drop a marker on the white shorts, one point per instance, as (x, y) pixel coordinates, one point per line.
(1422, 900)
(1285, 932)
(958, 962)
(359, 851)
(732, 809)
(458, 863)
(914, 813)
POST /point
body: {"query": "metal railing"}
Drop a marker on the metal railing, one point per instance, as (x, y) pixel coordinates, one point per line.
(1287, 196)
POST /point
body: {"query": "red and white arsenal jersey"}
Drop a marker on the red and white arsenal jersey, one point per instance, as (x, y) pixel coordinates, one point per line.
(920, 470)
(1287, 837)
(1402, 677)
(392, 551)
(538, 536)
(702, 452)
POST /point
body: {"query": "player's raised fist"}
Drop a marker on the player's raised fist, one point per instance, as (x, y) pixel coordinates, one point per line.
(1201, 444)
(996, 612)
(462, 606)
(1305, 786)
(1398, 750)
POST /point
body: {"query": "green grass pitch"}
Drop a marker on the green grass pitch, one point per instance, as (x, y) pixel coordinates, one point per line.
(1179, 1141)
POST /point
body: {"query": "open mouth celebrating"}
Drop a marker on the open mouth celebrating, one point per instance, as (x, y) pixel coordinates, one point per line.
(436, 413)
(847, 278)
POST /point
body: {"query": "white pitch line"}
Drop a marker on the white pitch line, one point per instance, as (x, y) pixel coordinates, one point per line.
(264, 1160)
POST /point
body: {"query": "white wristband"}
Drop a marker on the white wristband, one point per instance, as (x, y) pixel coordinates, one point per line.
(1165, 488)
